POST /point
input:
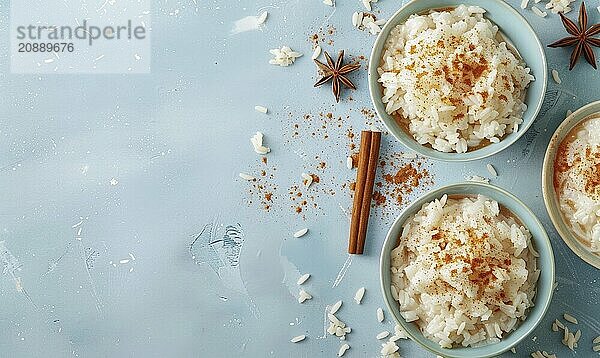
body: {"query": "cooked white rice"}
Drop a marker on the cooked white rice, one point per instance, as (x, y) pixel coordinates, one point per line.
(577, 181)
(464, 270)
(454, 79)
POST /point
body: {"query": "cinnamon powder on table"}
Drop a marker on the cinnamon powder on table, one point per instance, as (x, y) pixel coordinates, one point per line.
(405, 179)
(398, 178)
(262, 190)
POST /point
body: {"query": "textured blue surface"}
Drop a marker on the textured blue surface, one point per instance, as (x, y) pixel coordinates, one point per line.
(174, 142)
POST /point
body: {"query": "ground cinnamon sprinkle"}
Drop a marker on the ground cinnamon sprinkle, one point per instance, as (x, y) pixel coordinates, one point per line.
(379, 198)
(302, 198)
(406, 179)
(322, 36)
(398, 178)
(262, 191)
(407, 176)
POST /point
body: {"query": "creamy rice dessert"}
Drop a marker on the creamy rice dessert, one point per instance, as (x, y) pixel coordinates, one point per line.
(577, 180)
(451, 80)
(464, 271)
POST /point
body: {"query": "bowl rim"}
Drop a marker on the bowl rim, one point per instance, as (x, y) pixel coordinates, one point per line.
(412, 144)
(413, 207)
(548, 193)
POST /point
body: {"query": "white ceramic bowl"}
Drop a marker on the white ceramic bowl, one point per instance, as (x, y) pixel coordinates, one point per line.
(545, 284)
(550, 197)
(511, 24)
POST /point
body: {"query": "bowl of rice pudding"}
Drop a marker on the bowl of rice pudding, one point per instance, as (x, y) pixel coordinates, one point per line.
(571, 182)
(467, 270)
(457, 80)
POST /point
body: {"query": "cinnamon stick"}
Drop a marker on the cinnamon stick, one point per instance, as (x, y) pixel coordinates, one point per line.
(361, 176)
(368, 191)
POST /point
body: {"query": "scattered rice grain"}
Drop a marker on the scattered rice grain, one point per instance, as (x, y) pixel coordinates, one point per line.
(539, 12)
(316, 53)
(283, 56)
(556, 77)
(358, 296)
(577, 335)
(300, 233)
(257, 143)
(570, 318)
(298, 338)
(477, 178)
(524, 4)
(557, 6)
(303, 296)
(262, 18)
(247, 176)
(261, 109)
(336, 306)
(343, 349)
(380, 316)
(382, 335)
(303, 279)
(389, 348)
(492, 170)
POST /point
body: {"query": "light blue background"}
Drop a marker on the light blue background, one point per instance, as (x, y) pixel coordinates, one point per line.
(175, 141)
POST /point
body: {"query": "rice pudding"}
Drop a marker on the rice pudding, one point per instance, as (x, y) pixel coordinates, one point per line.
(464, 271)
(451, 81)
(577, 181)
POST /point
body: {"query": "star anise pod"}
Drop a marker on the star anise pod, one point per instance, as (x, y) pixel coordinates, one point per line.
(336, 73)
(581, 38)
